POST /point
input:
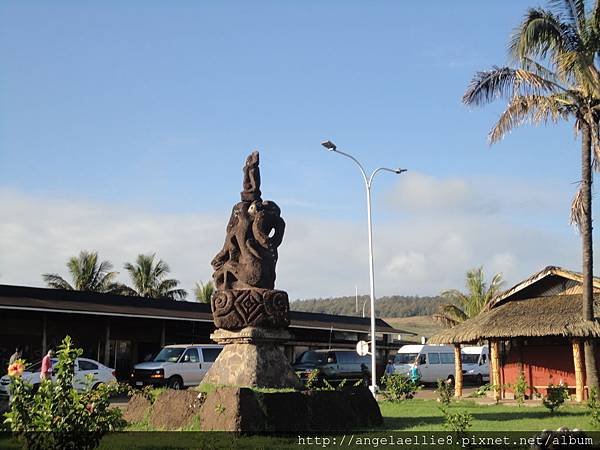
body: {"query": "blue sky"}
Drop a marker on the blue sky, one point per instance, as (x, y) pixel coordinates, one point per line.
(145, 110)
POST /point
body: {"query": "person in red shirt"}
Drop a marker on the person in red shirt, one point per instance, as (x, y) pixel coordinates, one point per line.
(46, 371)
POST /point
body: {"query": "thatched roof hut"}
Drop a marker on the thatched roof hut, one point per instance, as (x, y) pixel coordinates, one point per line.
(535, 327)
(558, 315)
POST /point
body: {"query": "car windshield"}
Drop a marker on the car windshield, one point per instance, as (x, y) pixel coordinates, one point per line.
(405, 358)
(313, 358)
(168, 355)
(36, 367)
(469, 358)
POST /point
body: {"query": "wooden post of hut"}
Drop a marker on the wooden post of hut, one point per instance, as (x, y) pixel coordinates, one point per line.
(458, 374)
(495, 360)
(579, 369)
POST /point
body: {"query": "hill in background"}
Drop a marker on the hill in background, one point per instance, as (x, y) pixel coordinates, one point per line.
(421, 325)
(402, 312)
(394, 306)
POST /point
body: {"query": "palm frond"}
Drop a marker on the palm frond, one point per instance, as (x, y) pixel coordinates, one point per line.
(203, 292)
(55, 281)
(573, 10)
(542, 34)
(489, 85)
(578, 210)
(534, 109)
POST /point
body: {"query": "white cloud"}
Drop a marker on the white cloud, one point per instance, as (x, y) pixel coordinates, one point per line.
(446, 232)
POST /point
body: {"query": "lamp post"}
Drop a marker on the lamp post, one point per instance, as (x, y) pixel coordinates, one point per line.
(368, 182)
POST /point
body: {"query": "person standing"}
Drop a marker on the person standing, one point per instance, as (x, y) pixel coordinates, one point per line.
(16, 355)
(46, 370)
(389, 368)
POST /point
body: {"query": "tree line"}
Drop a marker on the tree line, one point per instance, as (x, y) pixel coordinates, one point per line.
(449, 308)
(390, 306)
(148, 278)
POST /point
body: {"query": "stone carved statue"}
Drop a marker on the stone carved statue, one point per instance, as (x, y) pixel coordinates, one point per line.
(251, 182)
(244, 269)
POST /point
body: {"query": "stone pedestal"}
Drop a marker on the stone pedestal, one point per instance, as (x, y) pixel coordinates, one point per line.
(252, 357)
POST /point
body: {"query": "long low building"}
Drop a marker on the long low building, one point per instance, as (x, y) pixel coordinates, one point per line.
(120, 331)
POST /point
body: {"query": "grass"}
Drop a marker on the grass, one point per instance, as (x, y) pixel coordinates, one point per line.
(425, 415)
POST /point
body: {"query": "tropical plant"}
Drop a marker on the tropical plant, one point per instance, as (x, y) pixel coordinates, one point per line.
(461, 306)
(457, 422)
(203, 292)
(148, 276)
(55, 415)
(445, 391)
(87, 274)
(398, 387)
(594, 407)
(554, 77)
(556, 396)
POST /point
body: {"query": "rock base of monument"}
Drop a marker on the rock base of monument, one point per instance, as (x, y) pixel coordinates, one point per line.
(252, 357)
(250, 411)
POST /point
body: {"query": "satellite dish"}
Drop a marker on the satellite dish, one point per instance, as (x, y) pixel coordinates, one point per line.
(362, 348)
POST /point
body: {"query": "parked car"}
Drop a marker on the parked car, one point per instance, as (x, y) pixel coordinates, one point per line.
(333, 365)
(83, 368)
(476, 364)
(435, 362)
(176, 366)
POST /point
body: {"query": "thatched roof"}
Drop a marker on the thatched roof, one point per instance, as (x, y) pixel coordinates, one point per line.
(538, 278)
(559, 315)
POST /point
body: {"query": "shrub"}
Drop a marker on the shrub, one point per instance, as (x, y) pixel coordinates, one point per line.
(56, 415)
(482, 390)
(458, 422)
(594, 407)
(399, 387)
(520, 388)
(556, 396)
(445, 391)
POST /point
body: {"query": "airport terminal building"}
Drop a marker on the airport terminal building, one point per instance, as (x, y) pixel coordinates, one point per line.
(120, 331)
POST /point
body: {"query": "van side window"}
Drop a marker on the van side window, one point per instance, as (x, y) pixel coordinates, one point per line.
(210, 354)
(434, 358)
(447, 358)
(190, 355)
(422, 359)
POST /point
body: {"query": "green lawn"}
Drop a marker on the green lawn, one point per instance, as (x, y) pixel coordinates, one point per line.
(425, 415)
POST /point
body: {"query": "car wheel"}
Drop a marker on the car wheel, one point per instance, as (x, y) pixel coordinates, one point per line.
(175, 383)
(97, 385)
(450, 379)
(35, 387)
(479, 379)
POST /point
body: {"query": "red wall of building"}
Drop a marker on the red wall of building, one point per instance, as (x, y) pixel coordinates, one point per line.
(543, 363)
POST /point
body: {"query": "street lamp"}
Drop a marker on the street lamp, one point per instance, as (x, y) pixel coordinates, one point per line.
(368, 182)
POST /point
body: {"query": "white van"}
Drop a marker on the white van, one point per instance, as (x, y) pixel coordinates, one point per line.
(176, 366)
(476, 364)
(435, 362)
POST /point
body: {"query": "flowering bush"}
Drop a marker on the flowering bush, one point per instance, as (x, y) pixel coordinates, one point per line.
(17, 368)
(56, 415)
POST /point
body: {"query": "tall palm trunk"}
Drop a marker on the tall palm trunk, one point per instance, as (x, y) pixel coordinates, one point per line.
(586, 238)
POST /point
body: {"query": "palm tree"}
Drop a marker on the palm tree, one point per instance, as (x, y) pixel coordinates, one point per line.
(149, 279)
(203, 292)
(86, 275)
(554, 77)
(460, 306)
